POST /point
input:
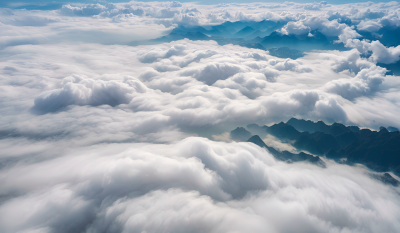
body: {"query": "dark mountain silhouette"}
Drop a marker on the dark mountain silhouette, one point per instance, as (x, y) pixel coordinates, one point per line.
(286, 155)
(378, 150)
(240, 134)
(309, 126)
(392, 129)
(386, 178)
(283, 131)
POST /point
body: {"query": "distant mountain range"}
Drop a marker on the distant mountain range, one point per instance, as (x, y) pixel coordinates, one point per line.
(259, 35)
(378, 150)
(286, 155)
(241, 134)
(265, 35)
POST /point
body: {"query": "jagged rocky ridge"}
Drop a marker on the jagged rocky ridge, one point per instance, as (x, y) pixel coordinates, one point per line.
(241, 134)
(286, 155)
(378, 150)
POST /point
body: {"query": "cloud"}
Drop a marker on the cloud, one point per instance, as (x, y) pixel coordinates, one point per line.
(352, 62)
(370, 26)
(214, 72)
(365, 83)
(297, 28)
(87, 10)
(231, 85)
(214, 186)
(153, 56)
(377, 51)
(78, 91)
(382, 54)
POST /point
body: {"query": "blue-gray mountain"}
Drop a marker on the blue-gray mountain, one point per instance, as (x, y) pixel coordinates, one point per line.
(265, 35)
(378, 150)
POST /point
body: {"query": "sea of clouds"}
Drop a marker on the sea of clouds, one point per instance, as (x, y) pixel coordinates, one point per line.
(100, 136)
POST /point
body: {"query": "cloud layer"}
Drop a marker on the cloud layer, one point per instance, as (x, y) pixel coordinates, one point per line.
(195, 185)
(100, 136)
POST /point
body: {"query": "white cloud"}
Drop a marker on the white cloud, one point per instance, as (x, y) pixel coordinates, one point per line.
(377, 51)
(382, 54)
(370, 26)
(365, 83)
(78, 91)
(214, 186)
(214, 72)
(297, 28)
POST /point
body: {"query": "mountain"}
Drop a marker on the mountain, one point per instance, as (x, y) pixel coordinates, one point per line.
(240, 134)
(268, 25)
(265, 35)
(246, 31)
(305, 42)
(378, 150)
(392, 129)
(182, 30)
(235, 26)
(310, 126)
(257, 34)
(285, 52)
(286, 155)
(386, 178)
(261, 35)
(283, 131)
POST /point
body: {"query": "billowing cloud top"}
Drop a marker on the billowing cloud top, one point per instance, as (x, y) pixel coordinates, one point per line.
(97, 135)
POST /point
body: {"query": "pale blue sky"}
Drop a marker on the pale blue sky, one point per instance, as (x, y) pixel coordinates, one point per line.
(51, 4)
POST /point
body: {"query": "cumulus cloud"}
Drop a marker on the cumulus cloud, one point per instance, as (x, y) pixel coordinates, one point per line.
(78, 91)
(382, 54)
(365, 83)
(297, 28)
(213, 72)
(152, 56)
(330, 28)
(370, 26)
(377, 51)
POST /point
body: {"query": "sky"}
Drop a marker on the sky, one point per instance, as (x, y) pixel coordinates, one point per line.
(52, 5)
(98, 134)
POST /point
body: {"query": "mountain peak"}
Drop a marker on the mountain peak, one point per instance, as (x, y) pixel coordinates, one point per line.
(258, 141)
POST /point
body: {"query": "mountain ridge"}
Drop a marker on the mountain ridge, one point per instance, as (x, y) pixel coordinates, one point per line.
(378, 150)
